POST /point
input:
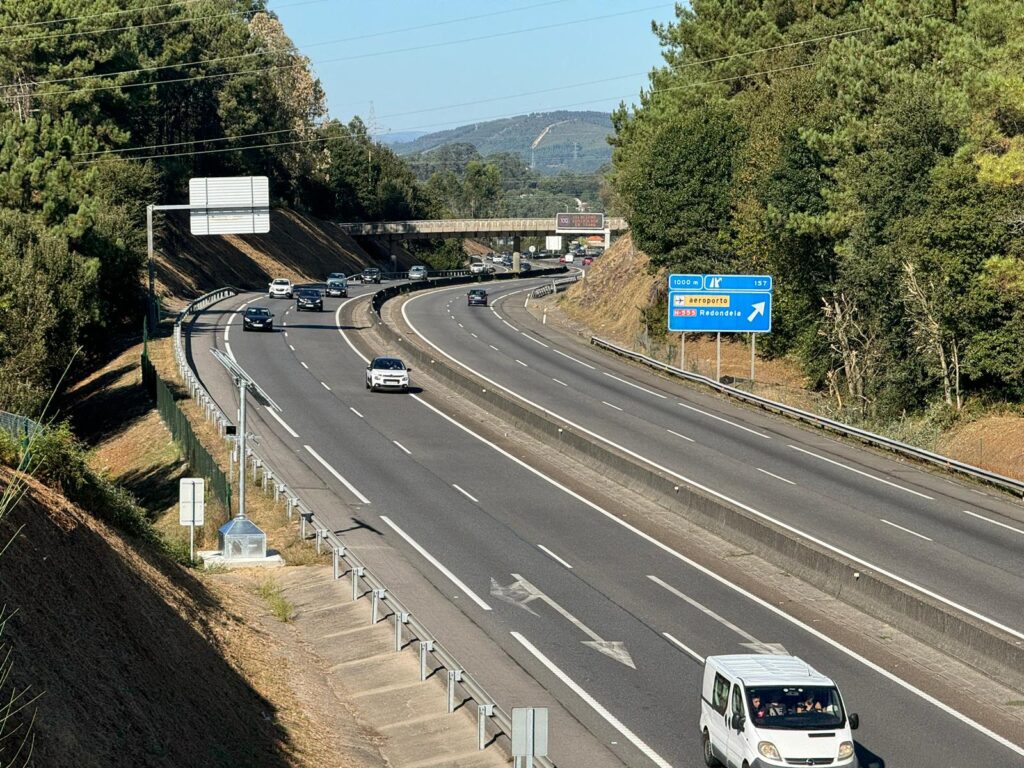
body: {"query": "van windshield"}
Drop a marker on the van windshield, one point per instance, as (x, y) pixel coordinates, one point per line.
(796, 707)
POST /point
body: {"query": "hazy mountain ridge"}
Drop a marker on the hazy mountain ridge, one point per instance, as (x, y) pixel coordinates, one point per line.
(549, 141)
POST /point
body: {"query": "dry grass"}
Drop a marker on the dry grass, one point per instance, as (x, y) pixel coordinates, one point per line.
(272, 594)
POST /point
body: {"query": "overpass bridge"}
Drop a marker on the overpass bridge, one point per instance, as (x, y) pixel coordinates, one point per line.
(438, 228)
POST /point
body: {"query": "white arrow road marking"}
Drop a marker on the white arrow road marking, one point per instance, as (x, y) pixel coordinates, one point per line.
(521, 593)
(758, 310)
(752, 642)
(595, 705)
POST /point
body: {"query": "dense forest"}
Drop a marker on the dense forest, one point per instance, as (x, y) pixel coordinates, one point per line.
(867, 153)
(109, 105)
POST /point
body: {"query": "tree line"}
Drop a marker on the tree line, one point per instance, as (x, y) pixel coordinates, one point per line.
(869, 154)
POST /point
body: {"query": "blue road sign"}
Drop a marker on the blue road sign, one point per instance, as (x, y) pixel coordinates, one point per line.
(724, 311)
(685, 282)
(735, 283)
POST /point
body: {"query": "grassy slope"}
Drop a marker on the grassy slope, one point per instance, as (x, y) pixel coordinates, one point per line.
(608, 304)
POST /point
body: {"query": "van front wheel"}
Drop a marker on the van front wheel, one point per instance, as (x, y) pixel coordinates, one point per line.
(709, 754)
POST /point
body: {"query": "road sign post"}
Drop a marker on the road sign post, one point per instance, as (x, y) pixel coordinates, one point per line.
(719, 304)
(191, 508)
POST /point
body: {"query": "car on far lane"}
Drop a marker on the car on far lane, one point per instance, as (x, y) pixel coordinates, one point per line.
(387, 373)
(337, 286)
(524, 266)
(257, 319)
(309, 298)
(370, 275)
(476, 297)
(588, 260)
(477, 268)
(280, 289)
(419, 272)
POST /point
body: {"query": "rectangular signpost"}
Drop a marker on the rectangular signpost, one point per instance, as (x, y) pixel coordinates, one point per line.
(719, 304)
(191, 508)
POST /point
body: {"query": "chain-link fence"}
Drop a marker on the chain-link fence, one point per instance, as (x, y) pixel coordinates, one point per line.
(198, 458)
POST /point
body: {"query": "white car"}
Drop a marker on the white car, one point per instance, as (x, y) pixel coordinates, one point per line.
(280, 289)
(387, 373)
(476, 268)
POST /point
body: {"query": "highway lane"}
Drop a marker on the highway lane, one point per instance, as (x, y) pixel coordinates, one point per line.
(484, 517)
(938, 534)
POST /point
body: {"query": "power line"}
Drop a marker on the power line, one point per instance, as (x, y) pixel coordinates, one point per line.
(97, 15)
(427, 46)
(505, 97)
(183, 20)
(327, 139)
(295, 49)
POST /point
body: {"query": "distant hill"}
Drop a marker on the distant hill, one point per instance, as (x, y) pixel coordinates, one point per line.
(549, 141)
(399, 137)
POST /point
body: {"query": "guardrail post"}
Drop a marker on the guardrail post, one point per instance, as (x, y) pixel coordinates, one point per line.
(454, 676)
(400, 619)
(357, 571)
(319, 537)
(306, 517)
(278, 489)
(426, 646)
(375, 598)
(292, 503)
(339, 552)
(483, 711)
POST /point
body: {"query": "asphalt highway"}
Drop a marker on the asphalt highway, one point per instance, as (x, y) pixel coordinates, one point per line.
(948, 539)
(559, 594)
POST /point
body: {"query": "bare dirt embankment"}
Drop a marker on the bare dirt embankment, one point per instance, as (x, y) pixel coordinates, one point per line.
(609, 304)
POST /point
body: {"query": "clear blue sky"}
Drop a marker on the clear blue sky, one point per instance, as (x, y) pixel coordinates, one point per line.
(471, 79)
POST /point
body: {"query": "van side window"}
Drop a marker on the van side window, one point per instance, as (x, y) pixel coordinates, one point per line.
(720, 694)
(737, 701)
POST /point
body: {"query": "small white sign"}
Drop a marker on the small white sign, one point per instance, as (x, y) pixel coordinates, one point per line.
(191, 500)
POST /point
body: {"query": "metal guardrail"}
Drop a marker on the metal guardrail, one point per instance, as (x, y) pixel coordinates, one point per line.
(912, 451)
(381, 597)
(555, 286)
(18, 426)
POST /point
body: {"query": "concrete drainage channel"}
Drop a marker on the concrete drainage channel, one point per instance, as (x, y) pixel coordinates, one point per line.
(493, 724)
(989, 650)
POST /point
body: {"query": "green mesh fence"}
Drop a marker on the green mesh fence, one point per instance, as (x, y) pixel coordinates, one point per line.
(199, 459)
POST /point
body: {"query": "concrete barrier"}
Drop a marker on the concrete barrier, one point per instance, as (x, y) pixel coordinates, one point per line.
(989, 650)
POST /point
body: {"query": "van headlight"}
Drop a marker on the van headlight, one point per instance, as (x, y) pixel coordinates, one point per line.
(767, 749)
(845, 750)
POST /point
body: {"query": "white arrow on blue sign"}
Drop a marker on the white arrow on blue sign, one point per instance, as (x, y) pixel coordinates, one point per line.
(721, 311)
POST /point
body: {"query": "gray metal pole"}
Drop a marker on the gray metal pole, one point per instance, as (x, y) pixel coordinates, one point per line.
(753, 343)
(718, 356)
(152, 269)
(192, 529)
(682, 351)
(241, 448)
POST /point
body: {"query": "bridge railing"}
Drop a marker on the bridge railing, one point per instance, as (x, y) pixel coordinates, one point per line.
(453, 226)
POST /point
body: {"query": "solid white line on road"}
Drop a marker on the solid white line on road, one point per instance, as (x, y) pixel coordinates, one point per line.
(291, 347)
(726, 421)
(402, 447)
(227, 332)
(906, 530)
(436, 563)
(357, 413)
(557, 381)
(246, 304)
(461, 325)
(611, 406)
(473, 335)
(673, 432)
(466, 493)
(613, 721)
(777, 477)
(575, 360)
(303, 365)
(337, 475)
(493, 347)
(994, 522)
(690, 651)
(324, 385)
(227, 348)
(506, 322)
(337, 322)
(281, 421)
(553, 556)
(536, 341)
(740, 590)
(718, 495)
(705, 610)
(636, 386)
(864, 474)
(522, 363)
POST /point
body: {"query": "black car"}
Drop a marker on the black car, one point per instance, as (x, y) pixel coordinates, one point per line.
(370, 275)
(477, 297)
(257, 319)
(308, 298)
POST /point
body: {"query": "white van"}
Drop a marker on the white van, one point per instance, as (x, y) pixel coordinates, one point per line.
(761, 711)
